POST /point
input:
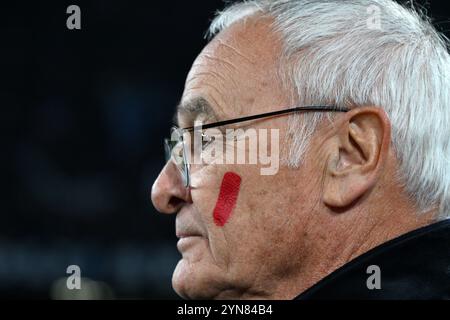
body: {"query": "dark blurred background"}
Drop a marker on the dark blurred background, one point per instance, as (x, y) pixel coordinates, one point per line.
(84, 113)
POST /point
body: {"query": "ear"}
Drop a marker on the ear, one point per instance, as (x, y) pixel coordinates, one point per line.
(356, 155)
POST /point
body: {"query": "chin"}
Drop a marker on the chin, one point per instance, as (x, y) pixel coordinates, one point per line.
(196, 280)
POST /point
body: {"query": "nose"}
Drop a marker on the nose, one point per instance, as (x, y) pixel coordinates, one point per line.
(168, 192)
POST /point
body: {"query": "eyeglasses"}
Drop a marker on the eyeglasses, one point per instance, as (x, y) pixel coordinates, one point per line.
(175, 148)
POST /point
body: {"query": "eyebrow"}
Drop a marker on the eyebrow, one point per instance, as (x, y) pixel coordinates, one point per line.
(192, 109)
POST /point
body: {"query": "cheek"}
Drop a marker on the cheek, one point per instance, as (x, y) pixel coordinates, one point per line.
(226, 201)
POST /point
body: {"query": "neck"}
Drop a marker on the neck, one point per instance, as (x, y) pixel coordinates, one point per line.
(344, 236)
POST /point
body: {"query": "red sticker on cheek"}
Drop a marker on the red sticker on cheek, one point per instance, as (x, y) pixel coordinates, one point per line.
(229, 190)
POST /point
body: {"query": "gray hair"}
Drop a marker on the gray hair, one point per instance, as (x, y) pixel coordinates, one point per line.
(368, 52)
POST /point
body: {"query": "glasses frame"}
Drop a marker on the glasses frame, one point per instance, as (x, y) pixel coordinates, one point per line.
(184, 167)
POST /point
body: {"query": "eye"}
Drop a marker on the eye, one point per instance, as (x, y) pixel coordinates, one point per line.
(207, 140)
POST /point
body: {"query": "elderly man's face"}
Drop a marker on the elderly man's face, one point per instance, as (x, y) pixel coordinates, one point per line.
(251, 254)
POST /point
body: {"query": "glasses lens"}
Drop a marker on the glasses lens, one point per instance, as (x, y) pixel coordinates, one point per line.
(175, 150)
(185, 171)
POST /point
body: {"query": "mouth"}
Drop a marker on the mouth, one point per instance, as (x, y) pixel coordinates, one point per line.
(182, 234)
(185, 236)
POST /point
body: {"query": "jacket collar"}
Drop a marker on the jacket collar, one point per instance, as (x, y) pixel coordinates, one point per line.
(415, 265)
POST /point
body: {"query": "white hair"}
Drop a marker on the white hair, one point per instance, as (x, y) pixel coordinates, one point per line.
(363, 52)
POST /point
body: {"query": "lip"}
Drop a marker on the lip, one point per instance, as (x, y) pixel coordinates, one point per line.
(185, 242)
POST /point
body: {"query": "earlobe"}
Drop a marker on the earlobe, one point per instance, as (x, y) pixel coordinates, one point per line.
(357, 155)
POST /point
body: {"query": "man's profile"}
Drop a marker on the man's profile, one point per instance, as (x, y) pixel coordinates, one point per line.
(359, 204)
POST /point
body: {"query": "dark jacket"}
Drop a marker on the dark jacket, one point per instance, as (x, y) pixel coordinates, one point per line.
(415, 265)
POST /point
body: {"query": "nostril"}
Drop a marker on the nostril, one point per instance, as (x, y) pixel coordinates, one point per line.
(175, 202)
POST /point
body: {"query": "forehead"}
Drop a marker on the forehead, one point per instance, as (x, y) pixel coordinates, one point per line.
(236, 73)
